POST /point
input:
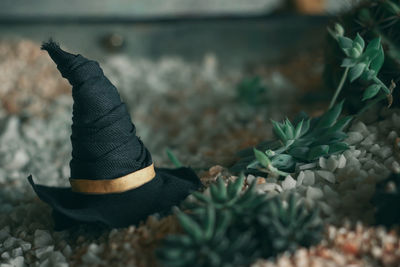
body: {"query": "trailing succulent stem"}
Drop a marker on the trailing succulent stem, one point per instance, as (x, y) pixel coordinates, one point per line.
(231, 228)
(370, 20)
(361, 63)
(304, 141)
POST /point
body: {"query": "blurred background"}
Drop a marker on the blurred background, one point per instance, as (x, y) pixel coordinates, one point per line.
(228, 66)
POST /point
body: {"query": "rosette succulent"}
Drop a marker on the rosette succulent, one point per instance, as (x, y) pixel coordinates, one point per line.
(304, 141)
(231, 228)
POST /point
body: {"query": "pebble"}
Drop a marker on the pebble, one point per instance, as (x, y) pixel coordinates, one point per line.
(44, 252)
(307, 166)
(384, 152)
(9, 242)
(19, 160)
(288, 183)
(42, 238)
(300, 178)
(360, 127)
(16, 252)
(327, 175)
(314, 193)
(309, 178)
(341, 161)
(25, 246)
(392, 135)
(354, 138)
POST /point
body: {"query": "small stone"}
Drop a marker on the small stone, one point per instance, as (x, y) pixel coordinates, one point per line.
(354, 138)
(16, 252)
(392, 136)
(309, 178)
(360, 127)
(17, 262)
(307, 166)
(5, 255)
(314, 193)
(341, 162)
(396, 167)
(19, 160)
(45, 263)
(10, 242)
(250, 178)
(374, 149)
(356, 153)
(288, 183)
(43, 252)
(330, 177)
(300, 178)
(67, 251)
(332, 163)
(384, 152)
(42, 238)
(25, 246)
(322, 163)
(266, 187)
(57, 257)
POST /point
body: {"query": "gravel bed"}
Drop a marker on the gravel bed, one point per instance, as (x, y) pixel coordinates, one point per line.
(350, 245)
(192, 109)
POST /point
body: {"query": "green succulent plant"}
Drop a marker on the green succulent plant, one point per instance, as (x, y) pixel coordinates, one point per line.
(304, 141)
(231, 228)
(291, 227)
(362, 63)
(387, 201)
(208, 242)
(251, 91)
(370, 19)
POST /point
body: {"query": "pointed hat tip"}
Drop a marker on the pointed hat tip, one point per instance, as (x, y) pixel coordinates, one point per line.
(59, 56)
(50, 45)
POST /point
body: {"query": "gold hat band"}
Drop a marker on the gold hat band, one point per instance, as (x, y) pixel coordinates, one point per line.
(118, 185)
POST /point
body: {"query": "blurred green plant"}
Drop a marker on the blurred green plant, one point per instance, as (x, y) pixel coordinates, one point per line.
(173, 158)
(251, 91)
(387, 201)
(228, 228)
(304, 141)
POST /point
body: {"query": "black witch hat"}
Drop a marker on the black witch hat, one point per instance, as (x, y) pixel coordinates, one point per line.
(113, 179)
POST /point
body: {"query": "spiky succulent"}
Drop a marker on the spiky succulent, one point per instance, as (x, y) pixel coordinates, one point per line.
(292, 226)
(307, 141)
(231, 228)
(370, 19)
(387, 201)
(208, 241)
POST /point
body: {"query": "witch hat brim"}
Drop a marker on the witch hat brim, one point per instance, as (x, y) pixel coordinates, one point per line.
(165, 190)
(113, 179)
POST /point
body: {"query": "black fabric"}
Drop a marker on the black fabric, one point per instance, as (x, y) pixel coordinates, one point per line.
(105, 146)
(104, 141)
(120, 209)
